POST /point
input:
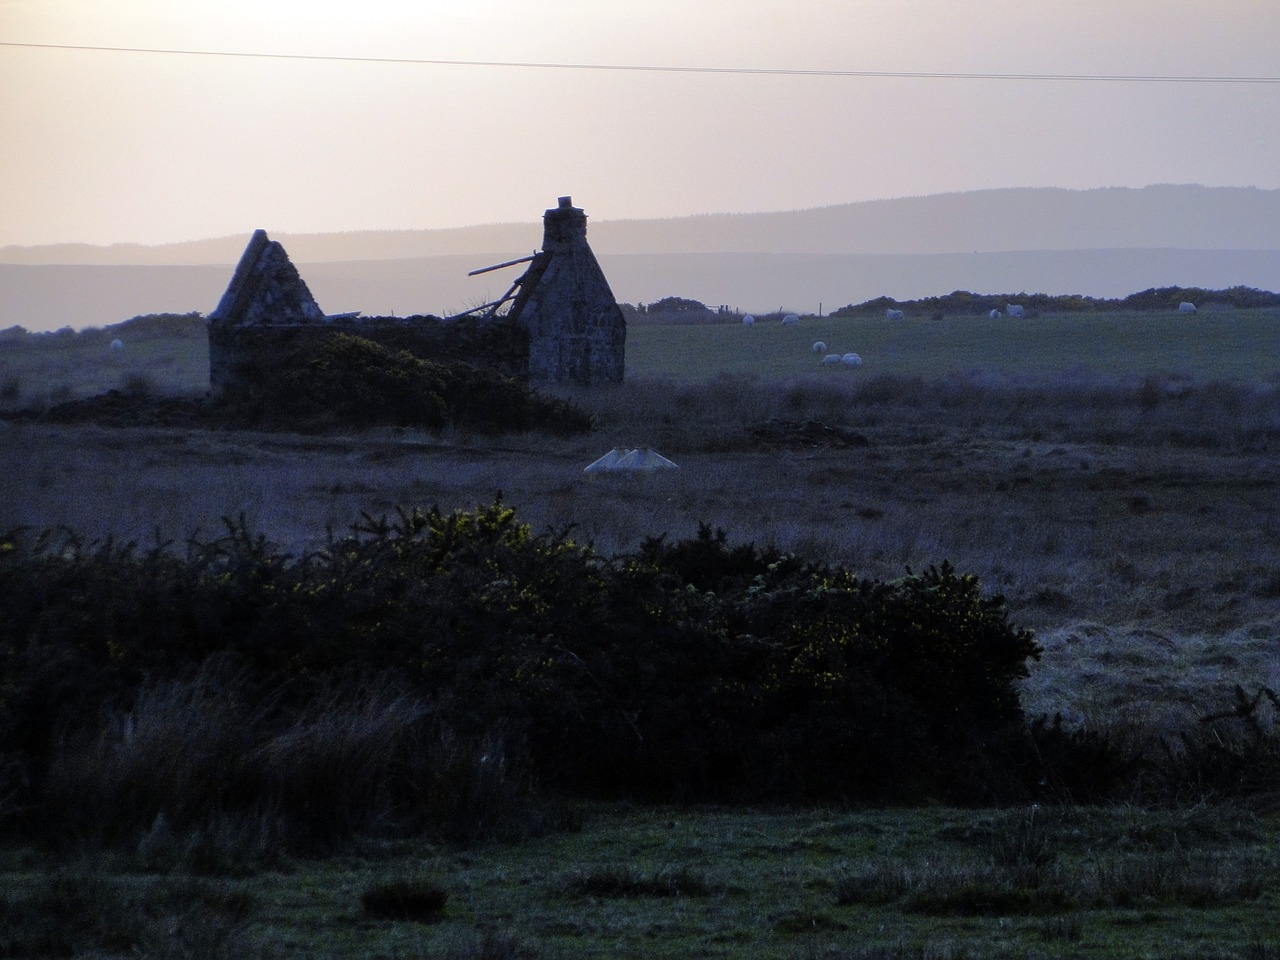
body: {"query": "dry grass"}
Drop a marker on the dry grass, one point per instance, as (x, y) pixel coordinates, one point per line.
(215, 776)
(1132, 522)
(169, 357)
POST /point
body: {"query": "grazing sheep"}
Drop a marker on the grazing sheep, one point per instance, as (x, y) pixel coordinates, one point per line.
(851, 360)
(790, 320)
(819, 347)
(748, 320)
(893, 314)
(1015, 310)
(994, 314)
(117, 346)
(831, 359)
(1185, 307)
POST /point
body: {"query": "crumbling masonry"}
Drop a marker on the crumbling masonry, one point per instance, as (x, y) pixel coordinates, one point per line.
(577, 333)
(563, 325)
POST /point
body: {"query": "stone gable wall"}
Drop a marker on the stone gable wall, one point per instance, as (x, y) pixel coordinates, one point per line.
(577, 331)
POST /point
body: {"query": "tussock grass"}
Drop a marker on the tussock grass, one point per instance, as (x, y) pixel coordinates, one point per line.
(902, 951)
(76, 912)
(419, 901)
(168, 756)
(625, 880)
(990, 889)
(492, 946)
(212, 785)
(1058, 862)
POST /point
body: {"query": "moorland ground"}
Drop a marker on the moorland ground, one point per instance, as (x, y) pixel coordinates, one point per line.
(1131, 515)
(1117, 483)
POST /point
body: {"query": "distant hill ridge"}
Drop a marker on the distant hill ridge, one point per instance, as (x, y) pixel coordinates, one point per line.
(1167, 216)
(961, 303)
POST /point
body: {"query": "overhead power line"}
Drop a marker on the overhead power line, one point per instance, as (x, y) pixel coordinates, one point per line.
(656, 68)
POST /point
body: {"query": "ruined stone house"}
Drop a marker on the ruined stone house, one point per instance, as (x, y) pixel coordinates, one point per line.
(563, 324)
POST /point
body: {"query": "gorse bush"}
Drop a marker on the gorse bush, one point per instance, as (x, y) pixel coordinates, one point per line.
(346, 380)
(421, 672)
(353, 380)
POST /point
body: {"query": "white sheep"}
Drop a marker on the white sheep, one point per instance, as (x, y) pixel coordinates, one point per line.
(1185, 307)
(748, 320)
(790, 320)
(1015, 310)
(893, 314)
(831, 359)
(819, 347)
(851, 360)
(994, 315)
(117, 346)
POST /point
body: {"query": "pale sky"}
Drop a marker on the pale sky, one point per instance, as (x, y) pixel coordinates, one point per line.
(104, 147)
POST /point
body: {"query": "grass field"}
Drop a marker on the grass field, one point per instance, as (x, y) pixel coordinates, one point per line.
(1225, 345)
(40, 370)
(1241, 344)
(657, 882)
(1116, 478)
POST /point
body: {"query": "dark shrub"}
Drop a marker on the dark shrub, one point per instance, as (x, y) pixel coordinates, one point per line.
(416, 900)
(1234, 754)
(350, 380)
(1077, 765)
(409, 674)
(346, 380)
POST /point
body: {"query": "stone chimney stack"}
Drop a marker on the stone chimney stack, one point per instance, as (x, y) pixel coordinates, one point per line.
(563, 225)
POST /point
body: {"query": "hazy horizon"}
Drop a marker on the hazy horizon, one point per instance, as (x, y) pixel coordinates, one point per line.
(616, 227)
(1184, 216)
(198, 119)
(1103, 243)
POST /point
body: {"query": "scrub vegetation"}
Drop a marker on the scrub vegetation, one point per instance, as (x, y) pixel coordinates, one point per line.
(930, 659)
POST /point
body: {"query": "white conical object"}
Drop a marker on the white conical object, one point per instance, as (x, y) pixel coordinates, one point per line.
(607, 462)
(644, 460)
